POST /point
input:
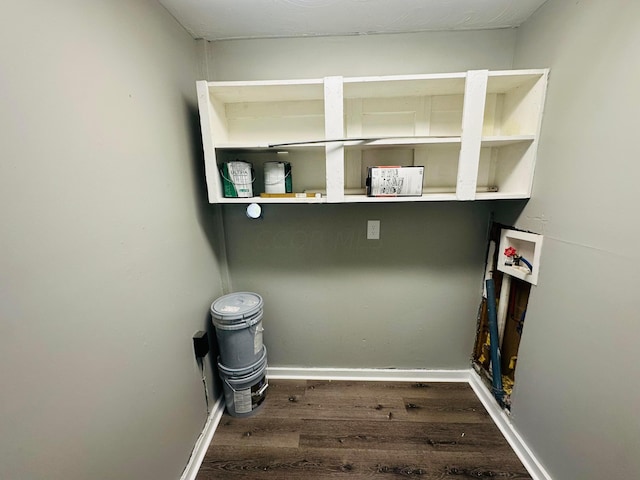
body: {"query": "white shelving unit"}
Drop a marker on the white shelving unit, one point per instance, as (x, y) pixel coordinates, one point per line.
(476, 133)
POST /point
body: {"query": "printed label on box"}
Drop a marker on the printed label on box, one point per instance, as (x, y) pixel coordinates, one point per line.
(395, 181)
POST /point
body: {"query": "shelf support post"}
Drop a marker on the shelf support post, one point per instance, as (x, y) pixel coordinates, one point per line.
(334, 128)
(475, 92)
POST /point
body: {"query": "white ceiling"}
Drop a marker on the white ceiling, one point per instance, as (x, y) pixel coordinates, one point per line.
(227, 19)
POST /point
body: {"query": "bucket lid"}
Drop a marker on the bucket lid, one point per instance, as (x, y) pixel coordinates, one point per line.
(236, 306)
(244, 371)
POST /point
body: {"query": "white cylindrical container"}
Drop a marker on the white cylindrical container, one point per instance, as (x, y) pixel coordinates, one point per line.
(277, 177)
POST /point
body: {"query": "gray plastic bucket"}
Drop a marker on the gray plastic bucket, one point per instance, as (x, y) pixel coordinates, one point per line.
(238, 321)
(245, 389)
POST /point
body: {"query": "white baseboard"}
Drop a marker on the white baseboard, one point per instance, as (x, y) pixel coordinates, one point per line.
(368, 374)
(503, 422)
(499, 417)
(202, 444)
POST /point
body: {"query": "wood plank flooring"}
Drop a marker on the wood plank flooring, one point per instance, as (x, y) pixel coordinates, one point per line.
(380, 430)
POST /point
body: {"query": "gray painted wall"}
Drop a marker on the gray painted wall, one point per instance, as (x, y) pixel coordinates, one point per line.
(107, 267)
(332, 298)
(314, 57)
(577, 398)
(335, 299)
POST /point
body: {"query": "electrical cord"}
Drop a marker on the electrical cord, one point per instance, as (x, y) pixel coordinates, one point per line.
(204, 382)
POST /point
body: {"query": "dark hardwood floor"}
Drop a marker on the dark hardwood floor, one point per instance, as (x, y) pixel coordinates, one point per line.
(382, 430)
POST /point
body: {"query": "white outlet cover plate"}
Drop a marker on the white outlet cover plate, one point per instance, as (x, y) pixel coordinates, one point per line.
(373, 230)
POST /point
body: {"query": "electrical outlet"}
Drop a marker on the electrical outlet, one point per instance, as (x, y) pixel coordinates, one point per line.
(373, 230)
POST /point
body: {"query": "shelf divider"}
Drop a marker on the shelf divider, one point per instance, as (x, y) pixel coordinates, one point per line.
(475, 90)
(334, 128)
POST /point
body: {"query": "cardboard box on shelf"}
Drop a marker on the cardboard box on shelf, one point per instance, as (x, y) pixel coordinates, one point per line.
(394, 181)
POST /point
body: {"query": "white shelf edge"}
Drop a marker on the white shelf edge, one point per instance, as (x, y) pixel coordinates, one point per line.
(503, 140)
(402, 141)
(426, 197)
(501, 81)
(517, 73)
(253, 91)
(248, 200)
(355, 143)
(267, 147)
(263, 83)
(410, 85)
(361, 198)
(425, 76)
(501, 196)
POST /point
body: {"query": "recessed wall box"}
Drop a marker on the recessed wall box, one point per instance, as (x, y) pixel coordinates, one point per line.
(527, 246)
(394, 181)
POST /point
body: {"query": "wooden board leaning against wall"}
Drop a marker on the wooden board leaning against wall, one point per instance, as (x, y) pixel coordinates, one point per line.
(514, 326)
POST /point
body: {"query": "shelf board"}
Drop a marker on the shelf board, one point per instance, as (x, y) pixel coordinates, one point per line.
(504, 140)
(501, 195)
(267, 91)
(505, 80)
(404, 85)
(487, 141)
(426, 197)
(259, 199)
(402, 141)
(350, 143)
(263, 147)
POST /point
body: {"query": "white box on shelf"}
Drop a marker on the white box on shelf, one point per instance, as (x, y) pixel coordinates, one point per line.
(394, 181)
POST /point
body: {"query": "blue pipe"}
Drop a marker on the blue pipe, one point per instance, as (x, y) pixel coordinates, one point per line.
(521, 323)
(498, 392)
(526, 262)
